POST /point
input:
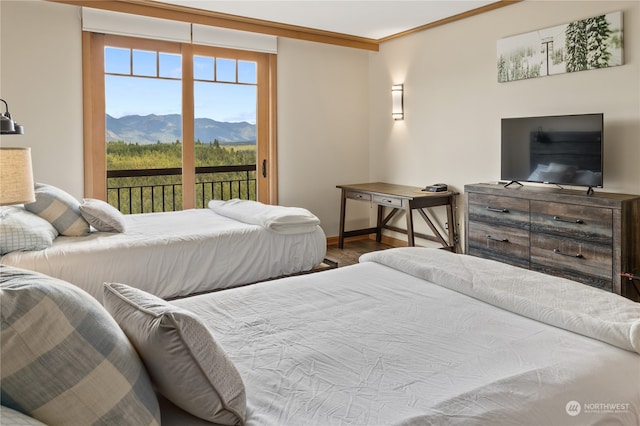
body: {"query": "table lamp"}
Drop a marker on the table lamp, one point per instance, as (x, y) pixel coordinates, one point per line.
(16, 176)
(7, 125)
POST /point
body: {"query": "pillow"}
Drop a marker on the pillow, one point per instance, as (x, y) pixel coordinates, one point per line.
(60, 209)
(102, 216)
(64, 360)
(184, 361)
(24, 231)
(16, 418)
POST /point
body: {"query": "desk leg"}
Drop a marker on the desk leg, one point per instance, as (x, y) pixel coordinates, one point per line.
(410, 237)
(343, 203)
(451, 207)
(379, 223)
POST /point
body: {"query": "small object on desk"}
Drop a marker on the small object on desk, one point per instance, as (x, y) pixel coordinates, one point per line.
(436, 187)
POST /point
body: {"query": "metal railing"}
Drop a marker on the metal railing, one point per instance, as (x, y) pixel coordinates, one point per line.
(160, 190)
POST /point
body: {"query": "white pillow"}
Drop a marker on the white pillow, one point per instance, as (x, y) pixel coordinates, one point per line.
(21, 230)
(60, 208)
(182, 357)
(102, 215)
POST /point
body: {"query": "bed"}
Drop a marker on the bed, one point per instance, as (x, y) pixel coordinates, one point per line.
(424, 336)
(173, 254)
(412, 336)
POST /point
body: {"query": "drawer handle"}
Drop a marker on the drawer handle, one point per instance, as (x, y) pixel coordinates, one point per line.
(500, 240)
(497, 210)
(562, 219)
(577, 255)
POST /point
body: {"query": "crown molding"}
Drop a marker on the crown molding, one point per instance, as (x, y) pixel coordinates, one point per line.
(454, 18)
(217, 19)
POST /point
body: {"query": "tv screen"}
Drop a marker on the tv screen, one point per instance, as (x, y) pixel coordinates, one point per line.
(562, 150)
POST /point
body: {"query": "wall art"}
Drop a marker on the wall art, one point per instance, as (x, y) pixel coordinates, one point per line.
(577, 46)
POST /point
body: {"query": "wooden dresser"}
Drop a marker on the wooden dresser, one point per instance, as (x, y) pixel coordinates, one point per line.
(587, 238)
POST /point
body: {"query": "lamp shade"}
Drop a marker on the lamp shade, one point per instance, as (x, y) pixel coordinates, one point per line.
(16, 176)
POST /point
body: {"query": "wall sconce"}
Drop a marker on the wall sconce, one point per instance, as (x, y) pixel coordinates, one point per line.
(7, 125)
(397, 98)
(16, 176)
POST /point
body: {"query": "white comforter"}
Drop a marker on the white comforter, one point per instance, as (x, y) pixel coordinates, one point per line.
(175, 254)
(371, 345)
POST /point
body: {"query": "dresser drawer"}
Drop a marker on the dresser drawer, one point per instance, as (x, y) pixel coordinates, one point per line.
(499, 210)
(497, 242)
(358, 196)
(577, 260)
(593, 224)
(384, 200)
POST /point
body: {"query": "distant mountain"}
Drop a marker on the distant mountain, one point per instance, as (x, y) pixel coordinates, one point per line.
(152, 128)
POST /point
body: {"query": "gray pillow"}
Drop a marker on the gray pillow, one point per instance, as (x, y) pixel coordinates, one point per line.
(60, 208)
(184, 361)
(21, 230)
(64, 360)
(102, 215)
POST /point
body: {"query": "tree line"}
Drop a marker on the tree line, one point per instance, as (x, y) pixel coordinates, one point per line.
(164, 193)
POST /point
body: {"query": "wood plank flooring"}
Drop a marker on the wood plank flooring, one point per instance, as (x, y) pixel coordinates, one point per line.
(352, 250)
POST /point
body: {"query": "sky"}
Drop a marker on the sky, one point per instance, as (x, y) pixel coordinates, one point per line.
(128, 94)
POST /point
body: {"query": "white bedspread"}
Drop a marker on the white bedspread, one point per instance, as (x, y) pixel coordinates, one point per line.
(559, 302)
(175, 254)
(370, 345)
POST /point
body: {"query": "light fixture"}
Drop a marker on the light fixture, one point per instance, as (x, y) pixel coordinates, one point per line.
(7, 125)
(16, 176)
(397, 109)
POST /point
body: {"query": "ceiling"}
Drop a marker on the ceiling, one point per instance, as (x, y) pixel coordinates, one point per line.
(372, 19)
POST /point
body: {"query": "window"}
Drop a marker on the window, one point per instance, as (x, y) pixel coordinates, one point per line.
(150, 108)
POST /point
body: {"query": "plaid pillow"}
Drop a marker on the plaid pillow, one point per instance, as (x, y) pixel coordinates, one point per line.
(64, 360)
(60, 208)
(24, 231)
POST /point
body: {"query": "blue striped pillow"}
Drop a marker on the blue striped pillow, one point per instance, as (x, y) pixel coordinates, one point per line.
(64, 360)
(60, 208)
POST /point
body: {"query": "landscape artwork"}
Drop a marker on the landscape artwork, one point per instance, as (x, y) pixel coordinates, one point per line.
(578, 46)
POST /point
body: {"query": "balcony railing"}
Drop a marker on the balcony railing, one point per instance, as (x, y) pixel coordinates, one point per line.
(160, 190)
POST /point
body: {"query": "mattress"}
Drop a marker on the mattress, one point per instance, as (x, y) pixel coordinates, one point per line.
(371, 344)
(175, 254)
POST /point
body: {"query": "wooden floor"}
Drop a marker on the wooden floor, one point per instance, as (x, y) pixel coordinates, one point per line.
(352, 250)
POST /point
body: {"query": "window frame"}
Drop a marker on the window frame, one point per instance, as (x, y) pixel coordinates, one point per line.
(95, 168)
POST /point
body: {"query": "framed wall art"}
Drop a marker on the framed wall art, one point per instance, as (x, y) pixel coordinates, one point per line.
(587, 44)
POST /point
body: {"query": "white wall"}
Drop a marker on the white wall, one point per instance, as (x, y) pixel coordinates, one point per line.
(453, 102)
(323, 113)
(41, 79)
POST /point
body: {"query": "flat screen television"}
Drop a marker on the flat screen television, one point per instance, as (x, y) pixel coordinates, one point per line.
(561, 150)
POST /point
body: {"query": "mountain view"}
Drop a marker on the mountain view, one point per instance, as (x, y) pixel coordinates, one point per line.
(150, 129)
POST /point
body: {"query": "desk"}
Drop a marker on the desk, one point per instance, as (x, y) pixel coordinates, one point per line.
(398, 198)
